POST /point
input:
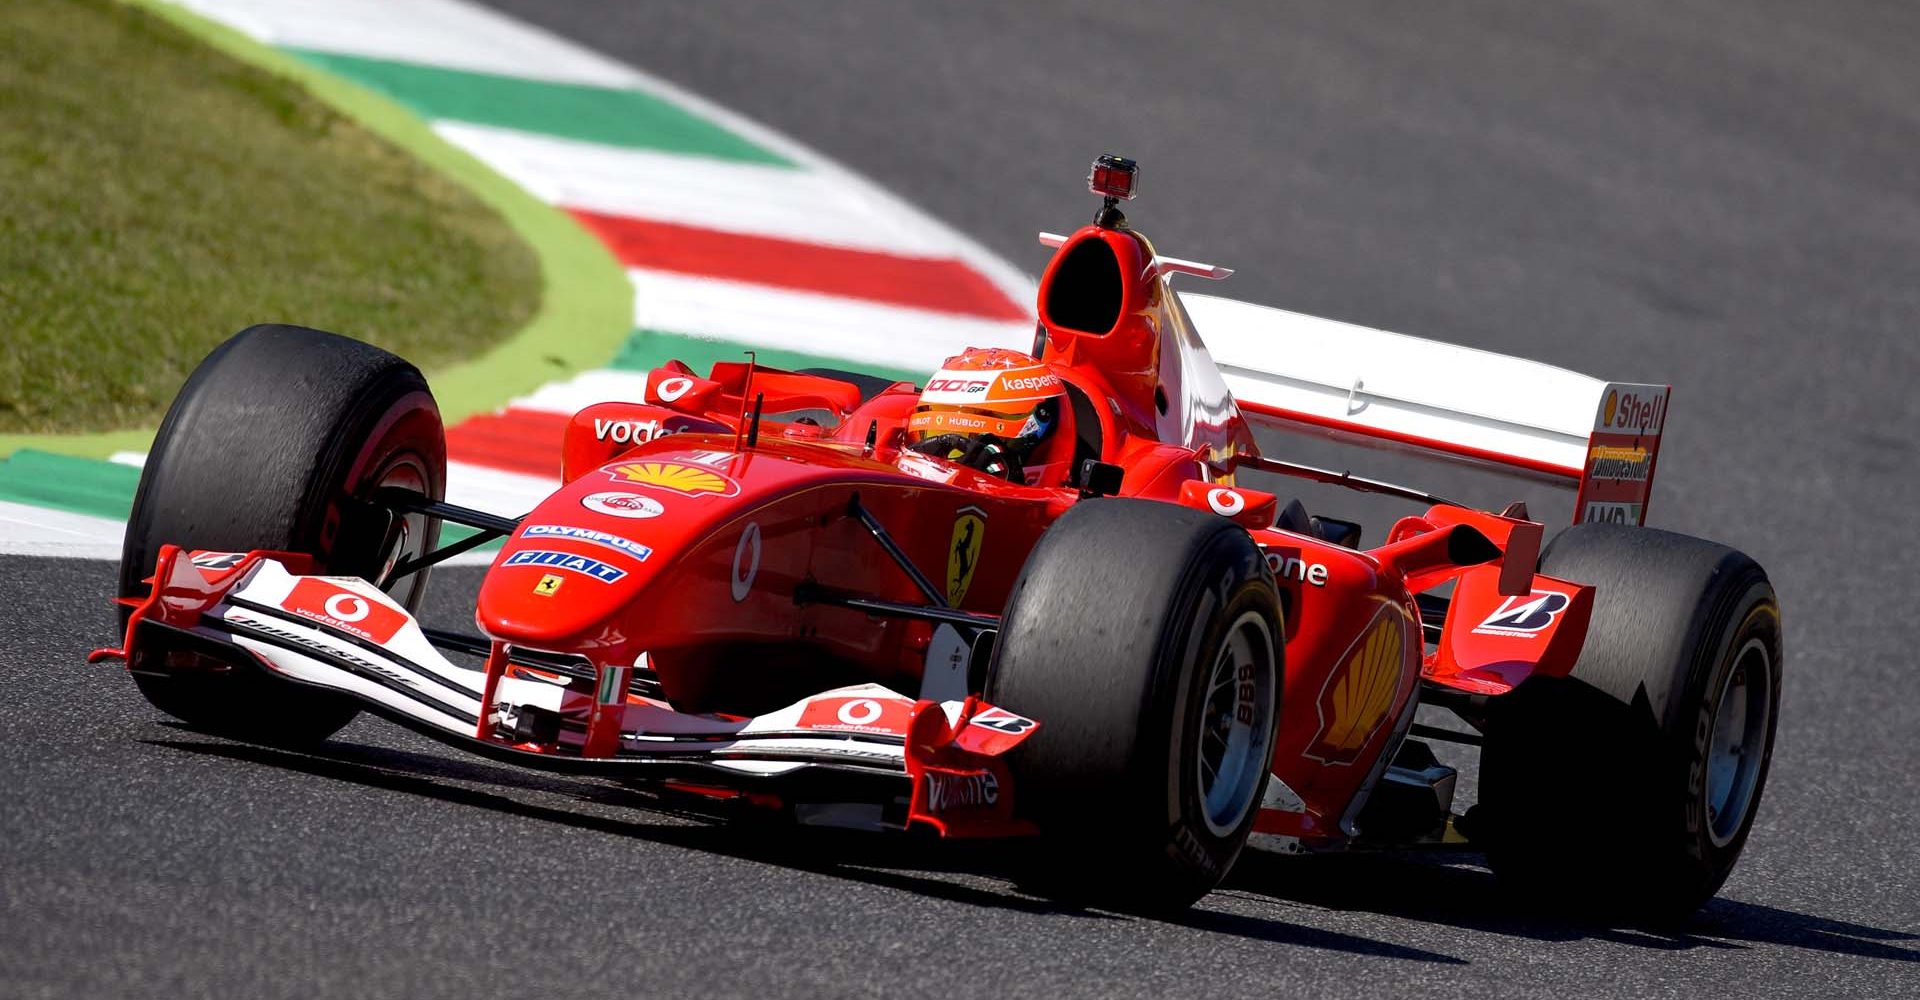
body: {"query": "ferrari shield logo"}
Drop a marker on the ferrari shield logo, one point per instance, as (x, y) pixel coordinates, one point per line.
(963, 553)
(547, 586)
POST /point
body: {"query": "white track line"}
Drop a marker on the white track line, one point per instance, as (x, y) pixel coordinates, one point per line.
(433, 32)
(747, 198)
(508, 494)
(462, 35)
(779, 318)
(39, 531)
(603, 385)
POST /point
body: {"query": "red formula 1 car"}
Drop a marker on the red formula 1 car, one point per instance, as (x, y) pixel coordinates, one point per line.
(1032, 599)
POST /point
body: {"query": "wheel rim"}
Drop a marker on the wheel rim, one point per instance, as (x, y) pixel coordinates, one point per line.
(1236, 724)
(1736, 746)
(405, 472)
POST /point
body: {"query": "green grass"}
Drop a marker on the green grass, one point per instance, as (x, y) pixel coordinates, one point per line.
(156, 195)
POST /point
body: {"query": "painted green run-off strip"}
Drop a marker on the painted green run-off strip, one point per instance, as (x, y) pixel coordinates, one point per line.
(97, 488)
(608, 115)
(586, 302)
(64, 482)
(646, 350)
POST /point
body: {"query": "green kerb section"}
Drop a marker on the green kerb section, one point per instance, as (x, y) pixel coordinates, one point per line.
(99, 488)
(586, 306)
(63, 482)
(646, 350)
(608, 115)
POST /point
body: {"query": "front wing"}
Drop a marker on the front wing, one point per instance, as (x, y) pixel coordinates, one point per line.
(863, 755)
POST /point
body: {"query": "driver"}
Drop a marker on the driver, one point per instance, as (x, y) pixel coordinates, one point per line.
(998, 411)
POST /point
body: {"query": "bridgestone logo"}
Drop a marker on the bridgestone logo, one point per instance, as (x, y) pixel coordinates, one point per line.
(1529, 615)
(1621, 463)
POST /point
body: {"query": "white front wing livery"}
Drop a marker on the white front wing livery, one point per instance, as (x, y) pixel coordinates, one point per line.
(408, 678)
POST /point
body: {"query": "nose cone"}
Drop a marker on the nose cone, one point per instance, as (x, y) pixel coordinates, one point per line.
(636, 545)
(592, 547)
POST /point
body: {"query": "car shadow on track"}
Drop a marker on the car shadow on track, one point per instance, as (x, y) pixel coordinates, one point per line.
(1447, 890)
(922, 865)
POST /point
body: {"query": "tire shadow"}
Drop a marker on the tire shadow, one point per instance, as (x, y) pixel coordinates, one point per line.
(922, 864)
(1456, 891)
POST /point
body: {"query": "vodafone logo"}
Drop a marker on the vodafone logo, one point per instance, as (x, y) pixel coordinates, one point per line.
(860, 712)
(338, 608)
(746, 562)
(628, 505)
(627, 431)
(950, 790)
(857, 714)
(348, 607)
(1226, 502)
(671, 389)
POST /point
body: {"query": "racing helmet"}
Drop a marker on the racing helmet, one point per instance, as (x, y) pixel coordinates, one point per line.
(998, 411)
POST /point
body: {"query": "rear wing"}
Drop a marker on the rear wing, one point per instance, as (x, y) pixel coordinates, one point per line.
(1387, 390)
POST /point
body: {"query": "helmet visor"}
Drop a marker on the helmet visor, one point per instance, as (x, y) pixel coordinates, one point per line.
(1020, 426)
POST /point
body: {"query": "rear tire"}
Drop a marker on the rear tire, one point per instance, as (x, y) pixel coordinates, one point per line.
(268, 439)
(1146, 640)
(1627, 789)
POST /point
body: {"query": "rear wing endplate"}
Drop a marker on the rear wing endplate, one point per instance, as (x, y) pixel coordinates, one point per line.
(1388, 390)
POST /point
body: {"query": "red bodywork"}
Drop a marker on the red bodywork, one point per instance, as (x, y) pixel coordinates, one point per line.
(705, 528)
(739, 529)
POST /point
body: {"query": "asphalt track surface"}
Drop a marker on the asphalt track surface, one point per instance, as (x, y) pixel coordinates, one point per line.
(1721, 195)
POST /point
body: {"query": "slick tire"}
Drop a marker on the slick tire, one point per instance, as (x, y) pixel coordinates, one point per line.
(1146, 640)
(263, 448)
(1626, 790)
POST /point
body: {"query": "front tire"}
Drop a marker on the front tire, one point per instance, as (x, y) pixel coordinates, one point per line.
(1146, 640)
(268, 444)
(1628, 788)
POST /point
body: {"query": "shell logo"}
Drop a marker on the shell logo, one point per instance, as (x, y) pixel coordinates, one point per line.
(1359, 694)
(676, 477)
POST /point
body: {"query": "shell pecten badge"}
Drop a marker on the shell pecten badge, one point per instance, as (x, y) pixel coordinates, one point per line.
(1358, 695)
(676, 477)
(963, 551)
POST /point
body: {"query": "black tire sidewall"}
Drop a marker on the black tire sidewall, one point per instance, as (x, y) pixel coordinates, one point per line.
(277, 482)
(1203, 852)
(266, 440)
(1753, 615)
(1109, 637)
(1596, 783)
